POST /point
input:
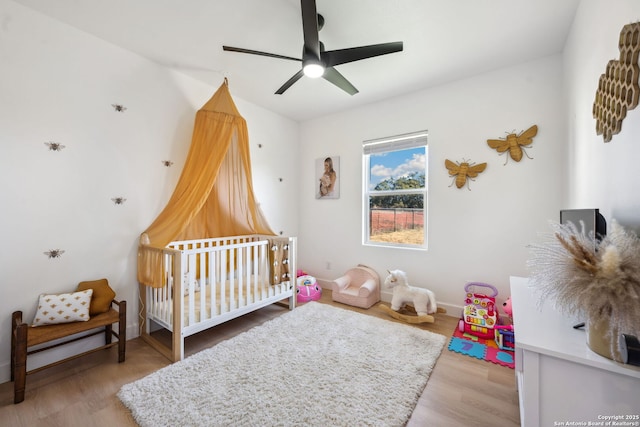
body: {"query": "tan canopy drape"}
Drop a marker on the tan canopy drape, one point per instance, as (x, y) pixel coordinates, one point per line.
(214, 195)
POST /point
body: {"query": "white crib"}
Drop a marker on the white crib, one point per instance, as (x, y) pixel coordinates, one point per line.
(210, 281)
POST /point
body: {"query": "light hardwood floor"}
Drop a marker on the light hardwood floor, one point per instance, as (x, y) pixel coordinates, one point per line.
(462, 391)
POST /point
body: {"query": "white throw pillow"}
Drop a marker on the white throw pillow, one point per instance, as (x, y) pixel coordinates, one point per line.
(63, 308)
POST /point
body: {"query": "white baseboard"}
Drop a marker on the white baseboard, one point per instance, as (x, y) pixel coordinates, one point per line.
(5, 372)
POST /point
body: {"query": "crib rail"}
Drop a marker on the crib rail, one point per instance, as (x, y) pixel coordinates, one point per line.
(207, 282)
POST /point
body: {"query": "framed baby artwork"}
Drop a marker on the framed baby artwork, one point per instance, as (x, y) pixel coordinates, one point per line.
(328, 178)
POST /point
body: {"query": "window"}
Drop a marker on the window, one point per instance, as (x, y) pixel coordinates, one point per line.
(395, 191)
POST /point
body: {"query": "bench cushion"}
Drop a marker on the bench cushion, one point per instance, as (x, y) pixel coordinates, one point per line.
(47, 333)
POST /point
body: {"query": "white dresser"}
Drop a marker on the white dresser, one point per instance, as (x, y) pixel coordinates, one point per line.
(561, 381)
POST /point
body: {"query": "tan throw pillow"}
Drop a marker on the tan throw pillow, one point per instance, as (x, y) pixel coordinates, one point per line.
(63, 308)
(102, 295)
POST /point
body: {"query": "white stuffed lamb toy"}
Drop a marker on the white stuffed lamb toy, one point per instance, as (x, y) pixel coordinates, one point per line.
(424, 301)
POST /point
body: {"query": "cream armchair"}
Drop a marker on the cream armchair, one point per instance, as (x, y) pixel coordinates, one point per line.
(360, 287)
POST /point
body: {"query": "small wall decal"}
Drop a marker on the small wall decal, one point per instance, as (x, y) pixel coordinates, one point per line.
(119, 108)
(54, 253)
(514, 144)
(167, 163)
(54, 146)
(463, 172)
(119, 200)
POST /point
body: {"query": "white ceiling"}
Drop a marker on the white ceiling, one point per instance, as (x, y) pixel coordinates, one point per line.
(444, 40)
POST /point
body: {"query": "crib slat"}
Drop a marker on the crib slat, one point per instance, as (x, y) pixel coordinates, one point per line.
(212, 283)
(252, 274)
(203, 287)
(223, 282)
(240, 252)
(232, 281)
(264, 261)
(252, 284)
(191, 279)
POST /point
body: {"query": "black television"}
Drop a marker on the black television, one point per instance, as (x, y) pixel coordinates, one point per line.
(592, 219)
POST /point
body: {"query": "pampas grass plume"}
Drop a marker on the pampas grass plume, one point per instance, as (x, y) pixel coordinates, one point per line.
(598, 280)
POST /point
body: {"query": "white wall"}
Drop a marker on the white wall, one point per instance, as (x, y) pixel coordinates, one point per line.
(601, 175)
(478, 235)
(58, 84)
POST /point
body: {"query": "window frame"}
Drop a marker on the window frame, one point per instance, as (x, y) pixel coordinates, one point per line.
(385, 145)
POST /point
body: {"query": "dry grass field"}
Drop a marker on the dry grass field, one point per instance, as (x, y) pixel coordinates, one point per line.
(397, 226)
(414, 237)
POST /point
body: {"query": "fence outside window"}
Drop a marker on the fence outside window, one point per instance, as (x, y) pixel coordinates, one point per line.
(389, 220)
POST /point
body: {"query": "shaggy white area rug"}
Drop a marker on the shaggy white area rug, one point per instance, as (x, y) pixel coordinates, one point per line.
(317, 365)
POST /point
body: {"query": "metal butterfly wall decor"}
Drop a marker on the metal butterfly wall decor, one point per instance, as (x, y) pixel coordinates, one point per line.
(119, 108)
(463, 171)
(118, 200)
(514, 144)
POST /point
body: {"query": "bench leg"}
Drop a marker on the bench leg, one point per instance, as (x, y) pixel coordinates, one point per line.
(19, 364)
(108, 331)
(122, 331)
(16, 319)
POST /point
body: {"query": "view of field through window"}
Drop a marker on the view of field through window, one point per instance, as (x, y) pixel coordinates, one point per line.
(397, 184)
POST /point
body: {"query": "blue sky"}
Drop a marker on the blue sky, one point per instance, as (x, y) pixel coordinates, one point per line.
(395, 164)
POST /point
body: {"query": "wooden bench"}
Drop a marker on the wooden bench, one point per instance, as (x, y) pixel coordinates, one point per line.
(23, 337)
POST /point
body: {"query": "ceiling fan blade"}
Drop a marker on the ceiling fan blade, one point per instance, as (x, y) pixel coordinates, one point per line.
(332, 75)
(310, 29)
(342, 56)
(290, 82)
(257, 52)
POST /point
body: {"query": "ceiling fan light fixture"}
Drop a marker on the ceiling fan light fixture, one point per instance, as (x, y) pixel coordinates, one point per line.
(313, 70)
(318, 62)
